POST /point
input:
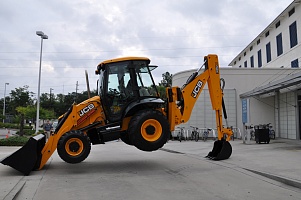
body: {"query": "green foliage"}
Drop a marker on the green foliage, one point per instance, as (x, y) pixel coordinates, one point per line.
(162, 92)
(27, 132)
(20, 97)
(167, 80)
(14, 141)
(12, 126)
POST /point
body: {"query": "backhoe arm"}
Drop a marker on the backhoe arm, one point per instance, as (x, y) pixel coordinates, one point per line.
(181, 101)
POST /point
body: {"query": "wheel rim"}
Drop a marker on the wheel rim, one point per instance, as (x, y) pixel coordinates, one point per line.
(74, 147)
(151, 130)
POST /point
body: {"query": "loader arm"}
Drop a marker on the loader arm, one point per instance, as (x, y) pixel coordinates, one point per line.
(181, 101)
(35, 154)
(81, 116)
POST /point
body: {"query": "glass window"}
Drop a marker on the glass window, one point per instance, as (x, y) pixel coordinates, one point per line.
(293, 34)
(118, 93)
(268, 51)
(279, 44)
(259, 58)
(292, 11)
(295, 63)
(252, 61)
(245, 64)
(144, 79)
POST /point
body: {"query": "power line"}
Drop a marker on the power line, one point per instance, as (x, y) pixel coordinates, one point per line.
(100, 51)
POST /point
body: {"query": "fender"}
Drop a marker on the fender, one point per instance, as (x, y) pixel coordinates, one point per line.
(147, 102)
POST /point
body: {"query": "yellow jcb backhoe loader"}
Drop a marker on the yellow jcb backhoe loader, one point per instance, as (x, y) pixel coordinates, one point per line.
(128, 107)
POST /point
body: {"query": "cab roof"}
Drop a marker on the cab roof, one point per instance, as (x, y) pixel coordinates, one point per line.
(123, 59)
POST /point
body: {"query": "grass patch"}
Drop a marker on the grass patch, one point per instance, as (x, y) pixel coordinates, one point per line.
(14, 141)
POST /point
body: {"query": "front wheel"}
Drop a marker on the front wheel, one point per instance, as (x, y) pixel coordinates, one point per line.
(148, 130)
(74, 147)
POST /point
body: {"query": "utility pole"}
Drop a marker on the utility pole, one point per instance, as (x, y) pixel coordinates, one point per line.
(76, 88)
(4, 101)
(50, 96)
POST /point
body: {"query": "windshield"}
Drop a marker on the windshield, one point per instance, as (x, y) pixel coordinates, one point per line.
(144, 79)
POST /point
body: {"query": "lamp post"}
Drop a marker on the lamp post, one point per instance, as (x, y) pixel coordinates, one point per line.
(4, 101)
(50, 95)
(43, 36)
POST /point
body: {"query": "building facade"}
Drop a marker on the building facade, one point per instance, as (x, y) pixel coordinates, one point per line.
(275, 108)
(265, 77)
(278, 45)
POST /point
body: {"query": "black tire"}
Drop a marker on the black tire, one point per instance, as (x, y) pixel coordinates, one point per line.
(192, 136)
(196, 137)
(126, 139)
(148, 130)
(74, 147)
(180, 136)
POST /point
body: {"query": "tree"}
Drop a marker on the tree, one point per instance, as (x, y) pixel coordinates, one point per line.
(20, 97)
(162, 92)
(24, 112)
(29, 112)
(167, 80)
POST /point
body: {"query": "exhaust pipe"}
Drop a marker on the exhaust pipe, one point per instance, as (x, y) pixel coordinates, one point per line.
(222, 150)
(28, 157)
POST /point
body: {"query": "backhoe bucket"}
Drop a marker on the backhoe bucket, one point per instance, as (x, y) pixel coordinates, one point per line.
(222, 150)
(28, 157)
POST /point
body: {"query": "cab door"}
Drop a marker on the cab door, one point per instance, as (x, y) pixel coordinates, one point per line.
(118, 91)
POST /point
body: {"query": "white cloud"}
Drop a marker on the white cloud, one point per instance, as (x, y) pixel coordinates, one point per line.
(174, 34)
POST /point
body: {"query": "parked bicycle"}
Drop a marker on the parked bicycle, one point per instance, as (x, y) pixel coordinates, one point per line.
(271, 131)
(251, 130)
(195, 133)
(181, 134)
(206, 134)
(236, 133)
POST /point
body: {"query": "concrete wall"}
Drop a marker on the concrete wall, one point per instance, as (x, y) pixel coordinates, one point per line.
(287, 116)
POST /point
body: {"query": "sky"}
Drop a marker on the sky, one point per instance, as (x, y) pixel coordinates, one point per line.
(174, 34)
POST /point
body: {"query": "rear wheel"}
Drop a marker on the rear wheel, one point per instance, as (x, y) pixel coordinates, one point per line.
(74, 147)
(126, 139)
(149, 130)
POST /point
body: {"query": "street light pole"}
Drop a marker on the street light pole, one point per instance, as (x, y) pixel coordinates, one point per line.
(50, 95)
(4, 101)
(43, 36)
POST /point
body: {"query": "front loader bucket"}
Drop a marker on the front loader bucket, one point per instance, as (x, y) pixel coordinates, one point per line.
(222, 150)
(28, 157)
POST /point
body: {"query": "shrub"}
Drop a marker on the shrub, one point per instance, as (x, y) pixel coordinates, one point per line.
(13, 126)
(27, 132)
(14, 141)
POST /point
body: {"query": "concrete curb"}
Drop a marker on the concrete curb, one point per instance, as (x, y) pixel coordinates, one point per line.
(15, 191)
(284, 180)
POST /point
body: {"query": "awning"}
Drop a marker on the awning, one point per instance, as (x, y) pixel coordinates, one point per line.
(291, 82)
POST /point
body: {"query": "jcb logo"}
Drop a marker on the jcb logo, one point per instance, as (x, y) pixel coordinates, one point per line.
(197, 89)
(86, 109)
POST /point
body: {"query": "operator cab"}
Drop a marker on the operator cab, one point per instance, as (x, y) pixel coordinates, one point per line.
(122, 81)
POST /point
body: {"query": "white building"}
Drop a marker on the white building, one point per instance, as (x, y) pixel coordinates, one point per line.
(278, 45)
(266, 76)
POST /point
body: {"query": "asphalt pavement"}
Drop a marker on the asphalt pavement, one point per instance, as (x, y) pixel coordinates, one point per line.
(177, 171)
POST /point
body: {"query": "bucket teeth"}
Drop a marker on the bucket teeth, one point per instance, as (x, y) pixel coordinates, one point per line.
(221, 150)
